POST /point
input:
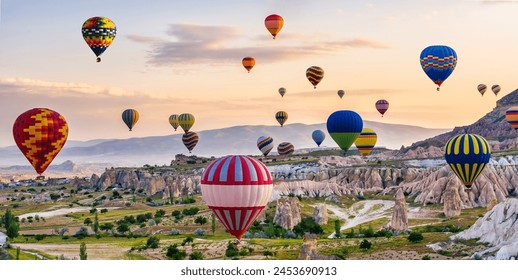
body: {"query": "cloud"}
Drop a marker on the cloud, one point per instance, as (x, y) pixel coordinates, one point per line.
(199, 44)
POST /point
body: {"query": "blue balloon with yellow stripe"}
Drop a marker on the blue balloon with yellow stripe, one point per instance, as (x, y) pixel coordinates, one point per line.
(467, 155)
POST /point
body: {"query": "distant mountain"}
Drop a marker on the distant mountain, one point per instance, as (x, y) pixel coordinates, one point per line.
(232, 140)
(493, 126)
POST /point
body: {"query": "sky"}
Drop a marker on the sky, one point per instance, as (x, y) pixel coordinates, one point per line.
(173, 57)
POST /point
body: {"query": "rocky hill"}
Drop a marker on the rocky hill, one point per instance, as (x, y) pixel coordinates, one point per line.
(493, 126)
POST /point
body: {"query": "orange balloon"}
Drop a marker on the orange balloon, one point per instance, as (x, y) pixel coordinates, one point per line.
(274, 24)
(248, 63)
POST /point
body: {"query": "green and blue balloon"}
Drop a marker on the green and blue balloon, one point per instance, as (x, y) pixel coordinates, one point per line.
(344, 127)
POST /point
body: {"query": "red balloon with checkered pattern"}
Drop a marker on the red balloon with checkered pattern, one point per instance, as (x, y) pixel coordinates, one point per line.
(40, 134)
(236, 188)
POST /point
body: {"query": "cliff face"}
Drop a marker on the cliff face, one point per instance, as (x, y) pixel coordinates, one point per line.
(167, 183)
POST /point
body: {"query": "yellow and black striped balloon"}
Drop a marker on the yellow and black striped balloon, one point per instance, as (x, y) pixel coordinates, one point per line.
(315, 74)
(281, 117)
(467, 155)
(130, 117)
(186, 121)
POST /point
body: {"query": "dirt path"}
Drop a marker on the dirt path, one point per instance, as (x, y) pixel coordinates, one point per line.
(60, 212)
(71, 251)
(361, 212)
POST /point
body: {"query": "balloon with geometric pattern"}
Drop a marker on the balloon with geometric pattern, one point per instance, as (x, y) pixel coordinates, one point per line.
(281, 117)
(467, 155)
(130, 118)
(236, 188)
(511, 115)
(438, 62)
(315, 74)
(40, 133)
(265, 144)
(274, 24)
(99, 33)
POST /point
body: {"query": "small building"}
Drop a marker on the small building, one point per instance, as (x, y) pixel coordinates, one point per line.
(3, 239)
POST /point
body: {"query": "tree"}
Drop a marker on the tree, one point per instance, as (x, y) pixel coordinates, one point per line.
(232, 250)
(177, 214)
(82, 251)
(415, 237)
(200, 220)
(337, 228)
(188, 239)
(123, 227)
(17, 253)
(87, 221)
(95, 226)
(152, 242)
(81, 233)
(106, 227)
(365, 244)
(213, 223)
(174, 253)
(10, 224)
(159, 213)
(196, 256)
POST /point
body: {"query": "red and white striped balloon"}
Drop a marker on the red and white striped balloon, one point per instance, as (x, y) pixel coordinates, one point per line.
(236, 189)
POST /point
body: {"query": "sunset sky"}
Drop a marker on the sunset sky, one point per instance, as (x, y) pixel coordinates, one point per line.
(185, 56)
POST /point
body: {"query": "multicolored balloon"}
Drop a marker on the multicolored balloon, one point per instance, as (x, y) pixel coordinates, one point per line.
(99, 33)
(344, 127)
(248, 63)
(382, 106)
(265, 144)
(482, 89)
(341, 93)
(236, 189)
(285, 149)
(274, 24)
(315, 74)
(467, 155)
(318, 136)
(40, 133)
(438, 62)
(511, 115)
(190, 139)
(281, 117)
(496, 89)
(130, 117)
(282, 91)
(173, 121)
(186, 121)
(366, 141)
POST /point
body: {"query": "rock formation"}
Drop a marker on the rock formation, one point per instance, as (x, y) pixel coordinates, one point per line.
(309, 251)
(498, 227)
(452, 202)
(320, 214)
(399, 220)
(287, 212)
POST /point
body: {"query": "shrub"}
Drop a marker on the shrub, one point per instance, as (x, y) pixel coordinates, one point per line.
(152, 242)
(426, 258)
(151, 223)
(196, 256)
(174, 253)
(415, 237)
(365, 244)
(190, 211)
(200, 220)
(290, 234)
(81, 233)
(39, 237)
(104, 210)
(175, 232)
(307, 225)
(199, 232)
(231, 250)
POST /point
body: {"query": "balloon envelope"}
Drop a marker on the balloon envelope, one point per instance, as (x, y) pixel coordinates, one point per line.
(496, 89)
(382, 106)
(40, 133)
(285, 149)
(265, 144)
(482, 89)
(274, 24)
(438, 62)
(467, 155)
(511, 115)
(315, 74)
(318, 136)
(248, 63)
(341, 93)
(98, 33)
(186, 121)
(344, 127)
(130, 117)
(281, 117)
(282, 91)
(173, 121)
(236, 189)
(190, 139)
(366, 141)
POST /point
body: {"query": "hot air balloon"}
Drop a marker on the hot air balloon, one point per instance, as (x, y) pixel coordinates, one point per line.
(314, 74)
(40, 134)
(285, 149)
(366, 141)
(173, 120)
(318, 136)
(99, 33)
(236, 189)
(344, 127)
(248, 63)
(186, 121)
(282, 91)
(130, 117)
(495, 89)
(512, 117)
(265, 144)
(281, 117)
(274, 24)
(467, 155)
(482, 89)
(190, 139)
(382, 106)
(438, 62)
(341, 93)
